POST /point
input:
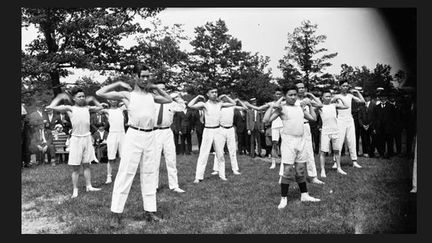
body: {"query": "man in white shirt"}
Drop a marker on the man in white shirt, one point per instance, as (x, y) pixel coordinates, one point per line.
(228, 135)
(345, 120)
(329, 130)
(139, 144)
(315, 103)
(116, 134)
(165, 138)
(294, 155)
(211, 133)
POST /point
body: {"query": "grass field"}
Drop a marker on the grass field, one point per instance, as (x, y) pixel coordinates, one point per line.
(374, 199)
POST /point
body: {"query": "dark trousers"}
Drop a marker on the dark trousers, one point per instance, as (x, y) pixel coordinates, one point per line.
(243, 141)
(367, 145)
(397, 137)
(25, 144)
(409, 140)
(384, 143)
(40, 156)
(186, 143)
(255, 138)
(357, 134)
(177, 143)
(101, 152)
(316, 139)
(199, 137)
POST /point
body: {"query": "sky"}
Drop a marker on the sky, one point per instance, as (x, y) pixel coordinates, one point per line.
(358, 35)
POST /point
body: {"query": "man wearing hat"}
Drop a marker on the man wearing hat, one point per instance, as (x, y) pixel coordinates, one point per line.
(384, 116)
(38, 116)
(139, 143)
(42, 144)
(366, 125)
(164, 138)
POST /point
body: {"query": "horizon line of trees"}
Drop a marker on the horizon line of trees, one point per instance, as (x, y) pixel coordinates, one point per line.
(89, 38)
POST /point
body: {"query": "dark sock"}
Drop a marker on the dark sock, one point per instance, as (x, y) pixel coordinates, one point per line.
(284, 189)
(302, 187)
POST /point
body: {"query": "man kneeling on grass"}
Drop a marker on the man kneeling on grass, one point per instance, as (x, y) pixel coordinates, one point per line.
(293, 151)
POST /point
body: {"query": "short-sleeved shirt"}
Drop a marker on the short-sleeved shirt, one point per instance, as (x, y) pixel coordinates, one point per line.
(141, 109)
(168, 112)
(329, 119)
(80, 119)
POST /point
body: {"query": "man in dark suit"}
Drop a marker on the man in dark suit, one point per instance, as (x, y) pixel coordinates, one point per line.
(98, 118)
(366, 125)
(25, 137)
(65, 122)
(242, 136)
(176, 128)
(383, 125)
(100, 142)
(198, 124)
(52, 119)
(398, 122)
(42, 143)
(255, 128)
(187, 119)
(355, 106)
(37, 117)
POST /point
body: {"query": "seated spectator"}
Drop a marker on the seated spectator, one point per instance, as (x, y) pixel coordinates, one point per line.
(41, 144)
(60, 137)
(100, 142)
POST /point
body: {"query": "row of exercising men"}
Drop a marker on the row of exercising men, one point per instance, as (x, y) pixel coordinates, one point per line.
(140, 141)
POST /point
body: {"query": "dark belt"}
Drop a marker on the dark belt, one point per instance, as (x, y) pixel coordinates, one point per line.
(141, 129)
(160, 128)
(305, 122)
(212, 127)
(226, 127)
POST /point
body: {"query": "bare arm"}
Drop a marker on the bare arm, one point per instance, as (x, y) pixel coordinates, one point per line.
(178, 105)
(94, 108)
(194, 105)
(308, 116)
(358, 99)
(230, 102)
(258, 108)
(242, 107)
(108, 93)
(60, 108)
(340, 104)
(159, 95)
(271, 114)
(316, 102)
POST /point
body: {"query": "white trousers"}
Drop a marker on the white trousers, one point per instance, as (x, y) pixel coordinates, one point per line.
(114, 144)
(210, 136)
(165, 143)
(228, 137)
(138, 151)
(310, 162)
(347, 133)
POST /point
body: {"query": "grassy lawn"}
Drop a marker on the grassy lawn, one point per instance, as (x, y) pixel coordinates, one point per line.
(374, 199)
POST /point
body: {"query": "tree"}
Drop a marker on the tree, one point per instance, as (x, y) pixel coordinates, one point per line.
(304, 56)
(215, 59)
(78, 38)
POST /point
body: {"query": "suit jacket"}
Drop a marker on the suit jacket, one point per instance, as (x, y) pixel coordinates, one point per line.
(384, 118)
(366, 114)
(251, 124)
(98, 139)
(53, 121)
(94, 121)
(36, 138)
(239, 120)
(198, 126)
(35, 119)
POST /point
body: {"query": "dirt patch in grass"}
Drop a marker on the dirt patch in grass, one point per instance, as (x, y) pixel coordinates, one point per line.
(36, 219)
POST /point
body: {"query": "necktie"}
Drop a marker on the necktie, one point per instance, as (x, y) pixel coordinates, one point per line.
(159, 120)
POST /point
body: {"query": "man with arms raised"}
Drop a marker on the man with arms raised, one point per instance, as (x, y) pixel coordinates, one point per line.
(81, 151)
(211, 133)
(293, 148)
(139, 144)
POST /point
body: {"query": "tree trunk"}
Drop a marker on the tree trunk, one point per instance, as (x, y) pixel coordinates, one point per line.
(55, 82)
